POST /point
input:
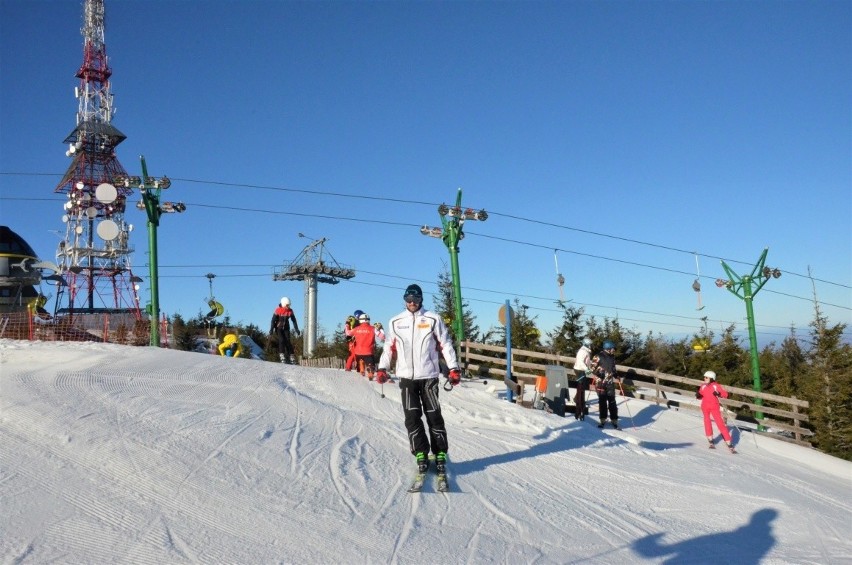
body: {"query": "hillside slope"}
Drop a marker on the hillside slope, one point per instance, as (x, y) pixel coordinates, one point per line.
(135, 454)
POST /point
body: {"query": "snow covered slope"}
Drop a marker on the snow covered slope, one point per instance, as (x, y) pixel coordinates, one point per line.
(113, 454)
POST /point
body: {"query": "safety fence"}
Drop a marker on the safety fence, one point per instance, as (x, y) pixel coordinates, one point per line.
(124, 328)
(786, 416)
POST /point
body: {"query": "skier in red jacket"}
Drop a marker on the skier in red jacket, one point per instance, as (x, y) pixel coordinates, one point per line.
(709, 393)
(364, 338)
(351, 323)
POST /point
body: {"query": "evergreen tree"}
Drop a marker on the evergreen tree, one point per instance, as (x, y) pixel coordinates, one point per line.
(444, 304)
(781, 368)
(728, 359)
(184, 333)
(567, 338)
(335, 346)
(255, 333)
(828, 387)
(525, 333)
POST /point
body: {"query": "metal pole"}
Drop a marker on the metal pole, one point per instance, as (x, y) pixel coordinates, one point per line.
(752, 340)
(152, 208)
(451, 232)
(510, 388)
(750, 285)
(452, 245)
(309, 340)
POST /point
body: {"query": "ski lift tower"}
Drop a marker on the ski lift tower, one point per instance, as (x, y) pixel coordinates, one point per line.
(94, 256)
(745, 287)
(451, 233)
(313, 266)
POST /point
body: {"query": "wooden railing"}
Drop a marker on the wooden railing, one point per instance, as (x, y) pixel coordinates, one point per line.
(323, 363)
(788, 413)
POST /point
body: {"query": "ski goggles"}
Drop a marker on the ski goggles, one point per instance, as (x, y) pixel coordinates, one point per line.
(413, 299)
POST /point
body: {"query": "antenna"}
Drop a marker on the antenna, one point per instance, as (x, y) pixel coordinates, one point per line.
(94, 254)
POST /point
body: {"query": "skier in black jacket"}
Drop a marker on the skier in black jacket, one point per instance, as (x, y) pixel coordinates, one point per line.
(603, 366)
(280, 327)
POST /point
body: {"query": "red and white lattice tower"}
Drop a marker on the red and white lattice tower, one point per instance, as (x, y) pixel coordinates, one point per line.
(94, 257)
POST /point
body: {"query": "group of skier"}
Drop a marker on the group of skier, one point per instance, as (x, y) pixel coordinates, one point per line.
(418, 342)
(600, 372)
(362, 338)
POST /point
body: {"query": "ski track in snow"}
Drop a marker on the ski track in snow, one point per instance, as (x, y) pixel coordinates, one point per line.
(203, 459)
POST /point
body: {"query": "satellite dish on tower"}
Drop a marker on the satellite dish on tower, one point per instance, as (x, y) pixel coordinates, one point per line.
(106, 193)
(91, 212)
(108, 230)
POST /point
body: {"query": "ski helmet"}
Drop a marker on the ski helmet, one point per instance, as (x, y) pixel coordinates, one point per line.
(357, 313)
(710, 375)
(608, 345)
(363, 318)
(587, 342)
(285, 301)
(413, 294)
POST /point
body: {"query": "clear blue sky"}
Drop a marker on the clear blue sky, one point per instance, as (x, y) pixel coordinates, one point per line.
(627, 135)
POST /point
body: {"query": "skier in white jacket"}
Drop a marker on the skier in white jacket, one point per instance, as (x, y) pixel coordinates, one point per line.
(582, 369)
(416, 339)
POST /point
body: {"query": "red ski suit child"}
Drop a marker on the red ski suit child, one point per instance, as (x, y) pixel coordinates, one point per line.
(709, 393)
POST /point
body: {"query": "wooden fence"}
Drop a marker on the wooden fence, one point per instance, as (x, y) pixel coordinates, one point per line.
(785, 414)
(323, 363)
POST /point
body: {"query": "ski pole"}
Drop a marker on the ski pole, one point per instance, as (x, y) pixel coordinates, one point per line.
(632, 424)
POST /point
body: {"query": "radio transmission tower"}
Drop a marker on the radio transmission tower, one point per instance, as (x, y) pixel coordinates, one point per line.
(94, 256)
(314, 264)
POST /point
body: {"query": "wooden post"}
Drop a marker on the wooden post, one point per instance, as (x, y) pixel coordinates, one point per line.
(796, 422)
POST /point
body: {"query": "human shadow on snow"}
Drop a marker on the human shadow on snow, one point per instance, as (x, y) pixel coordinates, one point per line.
(571, 435)
(746, 545)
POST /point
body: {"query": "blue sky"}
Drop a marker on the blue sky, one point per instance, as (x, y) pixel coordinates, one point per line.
(625, 135)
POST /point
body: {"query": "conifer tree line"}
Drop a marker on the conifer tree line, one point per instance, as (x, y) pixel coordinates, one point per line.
(819, 372)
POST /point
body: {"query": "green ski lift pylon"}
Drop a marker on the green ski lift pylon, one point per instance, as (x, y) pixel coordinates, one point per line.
(451, 232)
(151, 188)
(746, 287)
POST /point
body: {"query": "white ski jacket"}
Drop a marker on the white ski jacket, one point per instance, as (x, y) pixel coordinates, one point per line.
(584, 359)
(417, 341)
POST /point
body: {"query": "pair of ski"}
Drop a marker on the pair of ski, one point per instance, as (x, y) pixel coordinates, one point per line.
(441, 483)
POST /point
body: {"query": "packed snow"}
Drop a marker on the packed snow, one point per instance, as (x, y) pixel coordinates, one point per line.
(115, 454)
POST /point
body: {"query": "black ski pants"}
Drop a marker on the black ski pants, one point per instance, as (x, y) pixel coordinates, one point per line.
(607, 401)
(580, 396)
(419, 397)
(284, 345)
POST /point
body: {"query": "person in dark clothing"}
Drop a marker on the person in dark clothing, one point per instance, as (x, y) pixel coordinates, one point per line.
(280, 327)
(603, 366)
